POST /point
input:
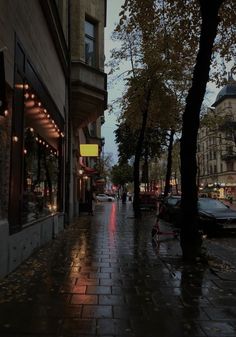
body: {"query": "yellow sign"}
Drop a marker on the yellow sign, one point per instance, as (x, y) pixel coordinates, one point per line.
(89, 150)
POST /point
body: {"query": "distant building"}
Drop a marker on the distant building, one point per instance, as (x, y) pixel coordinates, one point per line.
(216, 154)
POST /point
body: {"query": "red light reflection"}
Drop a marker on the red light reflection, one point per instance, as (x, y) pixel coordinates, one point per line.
(112, 222)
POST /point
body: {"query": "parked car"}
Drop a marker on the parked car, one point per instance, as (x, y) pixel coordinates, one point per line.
(167, 207)
(104, 197)
(213, 216)
(148, 200)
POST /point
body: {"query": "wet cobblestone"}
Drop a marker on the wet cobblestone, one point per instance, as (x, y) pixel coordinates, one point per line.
(105, 276)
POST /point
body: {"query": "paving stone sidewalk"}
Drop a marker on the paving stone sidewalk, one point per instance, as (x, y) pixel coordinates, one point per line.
(105, 276)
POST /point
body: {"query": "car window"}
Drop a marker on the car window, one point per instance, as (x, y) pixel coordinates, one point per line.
(173, 201)
(207, 204)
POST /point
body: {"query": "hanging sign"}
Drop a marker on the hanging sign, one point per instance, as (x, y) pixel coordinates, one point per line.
(89, 150)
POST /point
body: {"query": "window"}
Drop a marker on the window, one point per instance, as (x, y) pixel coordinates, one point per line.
(93, 129)
(229, 150)
(36, 149)
(230, 166)
(41, 160)
(41, 167)
(90, 43)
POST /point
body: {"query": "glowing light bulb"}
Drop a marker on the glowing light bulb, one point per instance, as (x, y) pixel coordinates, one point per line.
(15, 139)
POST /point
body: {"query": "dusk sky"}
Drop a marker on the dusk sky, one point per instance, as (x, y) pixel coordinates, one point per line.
(113, 9)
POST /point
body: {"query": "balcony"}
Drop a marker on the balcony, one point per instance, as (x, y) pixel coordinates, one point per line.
(228, 156)
(88, 93)
(228, 124)
(93, 139)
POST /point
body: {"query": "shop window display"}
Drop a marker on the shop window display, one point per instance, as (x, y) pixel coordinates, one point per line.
(36, 176)
(41, 160)
(40, 177)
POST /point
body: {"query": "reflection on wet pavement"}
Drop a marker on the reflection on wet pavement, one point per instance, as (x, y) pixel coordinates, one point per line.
(104, 277)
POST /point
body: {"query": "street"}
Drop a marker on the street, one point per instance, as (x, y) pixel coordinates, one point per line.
(105, 276)
(224, 247)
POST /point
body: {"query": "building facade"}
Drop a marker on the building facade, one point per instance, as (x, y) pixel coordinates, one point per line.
(33, 126)
(217, 145)
(52, 99)
(88, 96)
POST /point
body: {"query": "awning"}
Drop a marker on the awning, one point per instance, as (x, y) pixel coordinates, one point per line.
(87, 169)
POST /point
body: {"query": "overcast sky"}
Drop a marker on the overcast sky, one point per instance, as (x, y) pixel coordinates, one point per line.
(113, 9)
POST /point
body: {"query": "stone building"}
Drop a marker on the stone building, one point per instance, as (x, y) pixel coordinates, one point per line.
(52, 99)
(217, 145)
(33, 127)
(88, 94)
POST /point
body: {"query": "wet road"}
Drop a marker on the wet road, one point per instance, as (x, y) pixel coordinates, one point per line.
(224, 247)
(106, 277)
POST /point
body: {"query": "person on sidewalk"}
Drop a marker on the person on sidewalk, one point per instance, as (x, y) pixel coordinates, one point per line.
(94, 200)
(123, 198)
(90, 200)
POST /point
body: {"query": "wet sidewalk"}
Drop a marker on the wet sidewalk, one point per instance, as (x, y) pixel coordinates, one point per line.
(104, 276)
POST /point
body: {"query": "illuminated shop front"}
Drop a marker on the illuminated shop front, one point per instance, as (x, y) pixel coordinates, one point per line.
(37, 150)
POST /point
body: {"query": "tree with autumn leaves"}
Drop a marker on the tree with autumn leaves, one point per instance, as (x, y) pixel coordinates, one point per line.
(148, 98)
(178, 39)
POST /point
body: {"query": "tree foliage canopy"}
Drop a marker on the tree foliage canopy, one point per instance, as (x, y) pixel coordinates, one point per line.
(172, 28)
(126, 137)
(121, 174)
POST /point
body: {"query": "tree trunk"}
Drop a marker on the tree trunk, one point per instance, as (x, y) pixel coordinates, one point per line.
(190, 237)
(169, 163)
(138, 154)
(145, 173)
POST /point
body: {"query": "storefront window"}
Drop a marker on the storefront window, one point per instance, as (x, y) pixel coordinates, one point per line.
(40, 188)
(90, 44)
(37, 145)
(41, 149)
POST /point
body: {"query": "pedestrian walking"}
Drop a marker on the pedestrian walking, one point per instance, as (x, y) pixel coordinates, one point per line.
(123, 197)
(90, 197)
